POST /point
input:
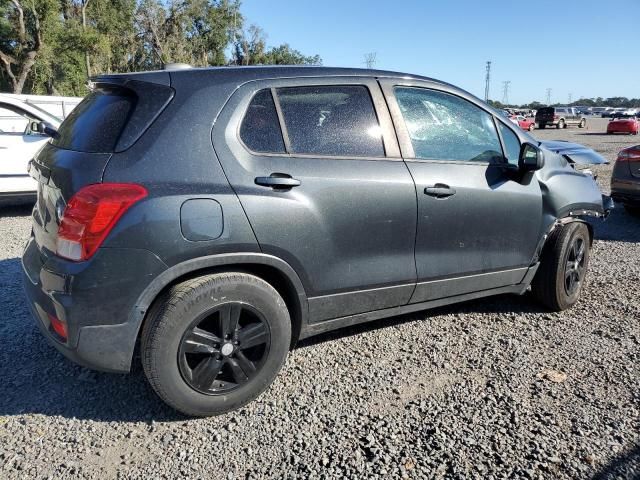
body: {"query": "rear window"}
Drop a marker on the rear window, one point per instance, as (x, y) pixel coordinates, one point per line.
(96, 124)
(112, 118)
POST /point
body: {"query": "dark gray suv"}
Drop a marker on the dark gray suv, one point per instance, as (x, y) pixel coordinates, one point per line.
(213, 217)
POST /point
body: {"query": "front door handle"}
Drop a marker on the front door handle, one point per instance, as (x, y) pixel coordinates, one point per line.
(440, 190)
(278, 181)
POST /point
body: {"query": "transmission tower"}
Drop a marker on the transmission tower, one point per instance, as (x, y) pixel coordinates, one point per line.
(370, 59)
(548, 96)
(505, 92)
(487, 82)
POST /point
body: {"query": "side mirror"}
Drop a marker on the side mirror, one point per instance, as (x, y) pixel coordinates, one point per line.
(46, 129)
(531, 158)
(34, 127)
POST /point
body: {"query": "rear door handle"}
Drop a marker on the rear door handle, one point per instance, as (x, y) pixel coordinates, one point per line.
(277, 180)
(440, 190)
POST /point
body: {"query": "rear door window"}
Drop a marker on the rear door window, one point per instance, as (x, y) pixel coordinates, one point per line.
(331, 120)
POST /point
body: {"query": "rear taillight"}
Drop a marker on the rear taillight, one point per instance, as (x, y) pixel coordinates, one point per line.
(91, 214)
(556, 117)
(629, 155)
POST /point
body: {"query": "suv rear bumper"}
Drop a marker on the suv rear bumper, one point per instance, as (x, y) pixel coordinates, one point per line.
(101, 332)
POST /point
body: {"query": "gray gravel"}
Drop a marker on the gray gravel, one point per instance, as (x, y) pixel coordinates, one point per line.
(494, 388)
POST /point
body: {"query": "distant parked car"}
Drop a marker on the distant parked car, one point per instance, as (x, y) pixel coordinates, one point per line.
(560, 117)
(623, 125)
(625, 179)
(523, 122)
(22, 136)
(613, 113)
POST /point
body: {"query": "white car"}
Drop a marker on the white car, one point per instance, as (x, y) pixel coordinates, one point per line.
(19, 141)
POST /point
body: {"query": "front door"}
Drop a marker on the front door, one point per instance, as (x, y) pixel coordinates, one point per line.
(478, 223)
(316, 166)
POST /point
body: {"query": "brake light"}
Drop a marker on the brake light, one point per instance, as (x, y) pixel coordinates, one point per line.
(91, 214)
(58, 326)
(629, 155)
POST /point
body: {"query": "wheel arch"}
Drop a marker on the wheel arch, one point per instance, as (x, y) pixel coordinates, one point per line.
(555, 228)
(273, 270)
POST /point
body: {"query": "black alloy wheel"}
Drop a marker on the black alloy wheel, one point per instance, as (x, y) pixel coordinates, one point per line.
(574, 266)
(224, 348)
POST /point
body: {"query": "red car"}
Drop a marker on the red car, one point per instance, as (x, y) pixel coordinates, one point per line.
(523, 122)
(623, 125)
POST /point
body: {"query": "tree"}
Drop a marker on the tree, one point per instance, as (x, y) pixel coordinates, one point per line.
(249, 47)
(53, 46)
(21, 33)
(285, 55)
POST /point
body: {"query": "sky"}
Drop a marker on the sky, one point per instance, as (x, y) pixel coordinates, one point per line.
(582, 48)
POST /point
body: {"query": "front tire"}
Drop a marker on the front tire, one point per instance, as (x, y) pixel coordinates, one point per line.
(583, 123)
(214, 343)
(532, 127)
(563, 268)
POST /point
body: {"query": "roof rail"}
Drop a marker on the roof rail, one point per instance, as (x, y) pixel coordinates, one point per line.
(176, 66)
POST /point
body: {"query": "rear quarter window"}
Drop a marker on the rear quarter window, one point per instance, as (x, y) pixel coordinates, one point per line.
(260, 128)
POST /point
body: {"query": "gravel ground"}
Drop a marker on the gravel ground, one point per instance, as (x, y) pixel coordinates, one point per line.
(494, 388)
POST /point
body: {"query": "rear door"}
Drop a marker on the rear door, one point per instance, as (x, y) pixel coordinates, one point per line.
(317, 169)
(478, 223)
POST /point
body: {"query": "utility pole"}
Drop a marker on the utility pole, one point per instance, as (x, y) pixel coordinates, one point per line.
(487, 81)
(370, 59)
(570, 98)
(505, 92)
(548, 96)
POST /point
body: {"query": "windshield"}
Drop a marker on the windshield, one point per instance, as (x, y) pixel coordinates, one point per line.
(44, 114)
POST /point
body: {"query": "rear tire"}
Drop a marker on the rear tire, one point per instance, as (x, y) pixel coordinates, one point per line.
(563, 268)
(532, 127)
(582, 124)
(214, 343)
(560, 124)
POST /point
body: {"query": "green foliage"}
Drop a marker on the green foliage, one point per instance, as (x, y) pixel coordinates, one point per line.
(66, 41)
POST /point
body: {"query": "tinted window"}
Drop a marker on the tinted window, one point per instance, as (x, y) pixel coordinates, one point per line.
(445, 127)
(511, 143)
(331, 120)
(96, 124)
(260, 129)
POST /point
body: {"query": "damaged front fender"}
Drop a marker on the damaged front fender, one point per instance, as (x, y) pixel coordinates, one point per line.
(574, 152)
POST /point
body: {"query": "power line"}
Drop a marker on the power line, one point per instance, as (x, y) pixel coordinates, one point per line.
(370, 59)
(487, 81)
(548, 96)
(505, 92)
